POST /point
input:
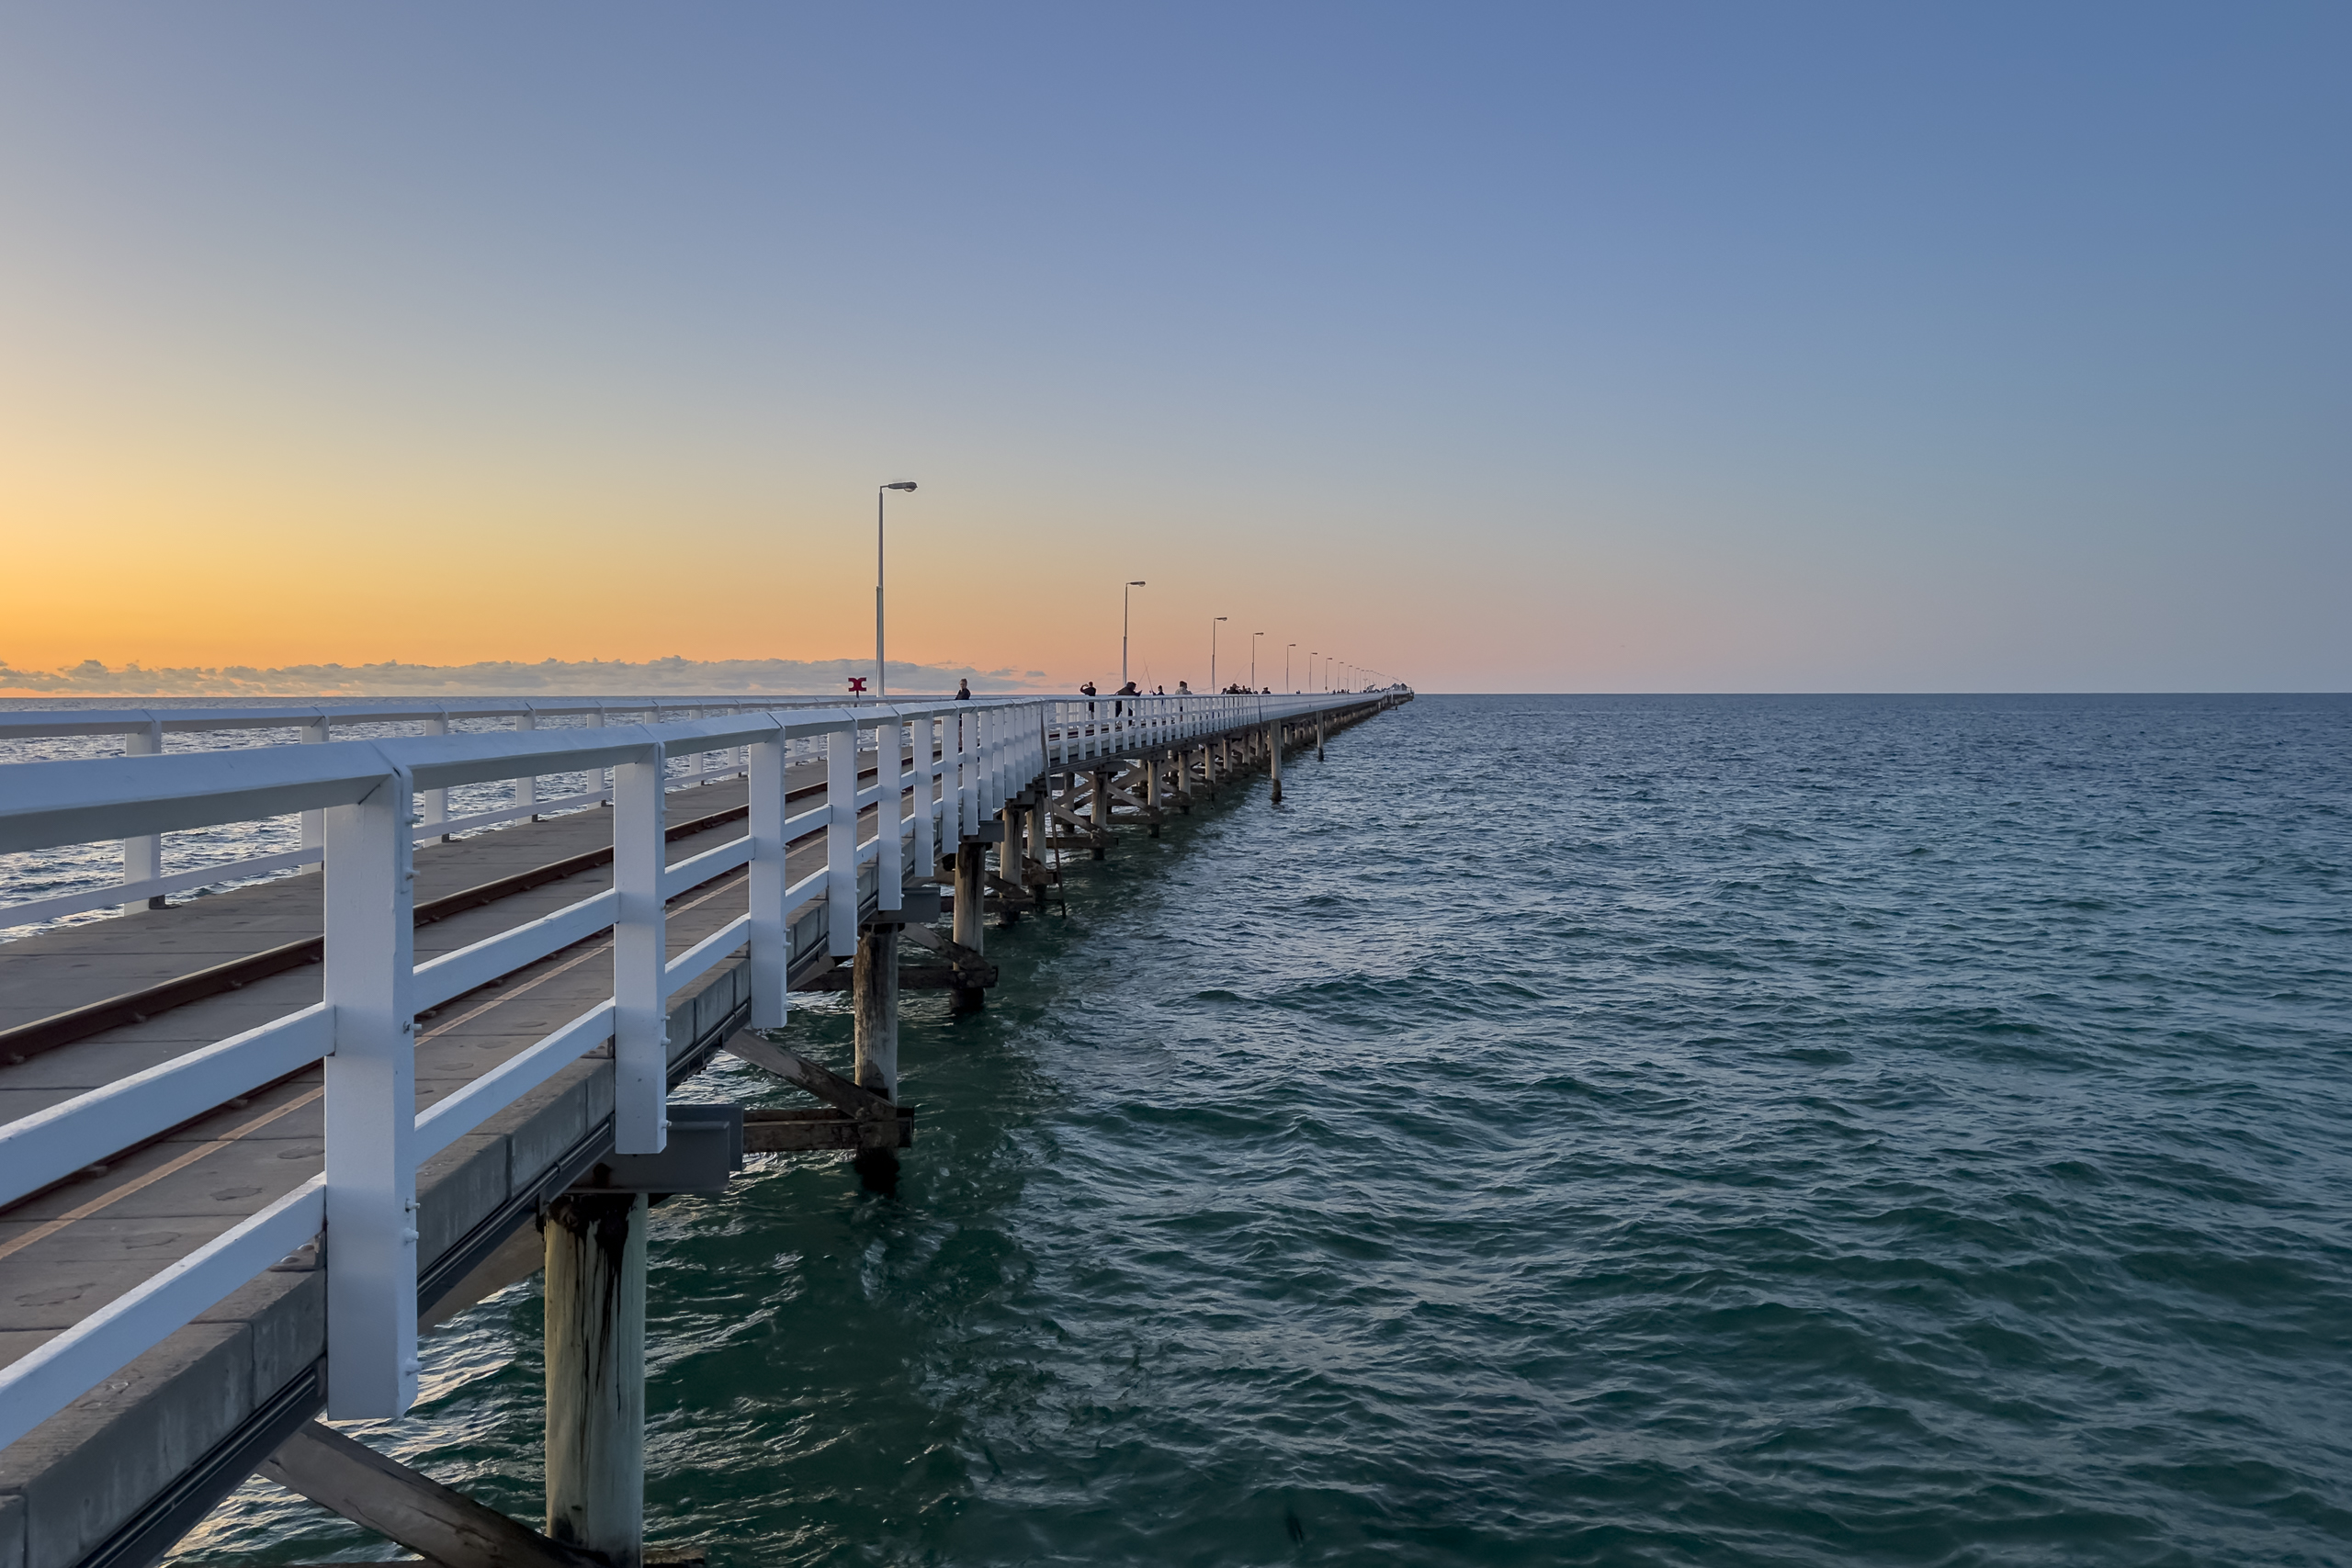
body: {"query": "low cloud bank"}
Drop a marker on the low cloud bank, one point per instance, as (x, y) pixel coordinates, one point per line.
(553, 677)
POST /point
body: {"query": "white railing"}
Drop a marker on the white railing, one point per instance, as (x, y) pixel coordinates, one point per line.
(143, 731)
(967, 759)
(1096, 727)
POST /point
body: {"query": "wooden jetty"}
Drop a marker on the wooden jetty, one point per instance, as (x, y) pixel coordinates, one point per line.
(253, 1144)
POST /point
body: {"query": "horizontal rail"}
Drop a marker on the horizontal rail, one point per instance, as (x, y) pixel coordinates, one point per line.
(37, 1386)
(443, 1123)
(704, 956)
(696, 870)
(50, 1146)
(35, 910)
(48, 723)
(49, 908)
(455, 973)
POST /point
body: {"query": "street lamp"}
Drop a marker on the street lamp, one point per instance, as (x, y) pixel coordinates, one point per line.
(1138, 583)
(1253, 659)
(1311, 657)
(1286, 647)
(881, 684)
(1213, 685)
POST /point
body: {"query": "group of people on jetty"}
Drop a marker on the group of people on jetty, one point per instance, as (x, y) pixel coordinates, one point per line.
(1118, 709)
(1183, 688)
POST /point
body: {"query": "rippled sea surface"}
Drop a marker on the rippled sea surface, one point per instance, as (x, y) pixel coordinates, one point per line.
(1615, 1131)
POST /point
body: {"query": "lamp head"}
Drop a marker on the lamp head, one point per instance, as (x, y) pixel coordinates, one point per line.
(1138, 583)
(902, 484)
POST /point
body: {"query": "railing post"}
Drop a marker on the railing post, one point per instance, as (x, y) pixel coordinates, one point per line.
(370, 1114)
(841, 843)
(771, 942)
(992, 726)
(926, 809)
(967, 775)
(314, 823)
(976, 771)
(595, 781)
(436, 801)
(526, 788)
(641, 949)
(142, 857)
(889, 823)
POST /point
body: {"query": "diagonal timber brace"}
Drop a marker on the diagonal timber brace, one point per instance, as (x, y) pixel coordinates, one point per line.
(1064, 815)
(954, 952)
(876, 1117)
(386, 1496)
(914, 977)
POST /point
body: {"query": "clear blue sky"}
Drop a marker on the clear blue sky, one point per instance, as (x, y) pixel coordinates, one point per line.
(1645, 347)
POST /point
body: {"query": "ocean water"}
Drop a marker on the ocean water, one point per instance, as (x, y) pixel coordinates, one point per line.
(1765, 1131)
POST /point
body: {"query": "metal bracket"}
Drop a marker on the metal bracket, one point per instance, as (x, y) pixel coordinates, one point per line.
(917, 906)
(706, 1148)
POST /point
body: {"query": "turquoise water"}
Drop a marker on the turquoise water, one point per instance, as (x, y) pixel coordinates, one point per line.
(1615, 1131)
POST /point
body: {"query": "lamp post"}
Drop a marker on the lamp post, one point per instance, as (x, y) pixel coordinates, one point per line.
(1138, 583)
(1253, 659)
(1286, 647)
(881, 683)
(1213, 685)
(1311, 657)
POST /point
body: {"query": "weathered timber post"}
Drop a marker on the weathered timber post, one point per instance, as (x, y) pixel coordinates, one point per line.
(595, 1358)
(1151, 790)
(1319, 735)
(874, 991)
(874, 998)
(971, 912)
(1008, 861)
(1040, 827)
(1098, 816)
(1274, 762)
